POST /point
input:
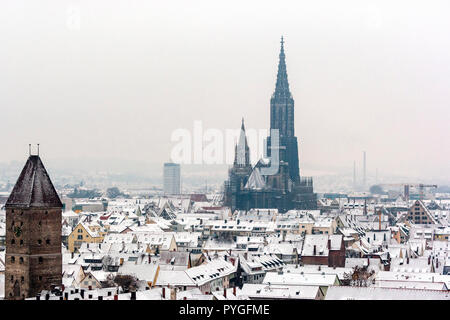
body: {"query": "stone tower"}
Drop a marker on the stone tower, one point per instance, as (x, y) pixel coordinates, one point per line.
(282, 119)
(33, 234)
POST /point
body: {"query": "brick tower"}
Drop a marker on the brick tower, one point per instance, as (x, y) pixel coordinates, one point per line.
(33, 234)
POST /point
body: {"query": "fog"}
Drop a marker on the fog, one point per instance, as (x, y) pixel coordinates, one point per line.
(114, 79)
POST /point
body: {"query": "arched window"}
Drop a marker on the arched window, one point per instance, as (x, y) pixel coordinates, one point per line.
(47, 241)
(13, 259)
(20, 260)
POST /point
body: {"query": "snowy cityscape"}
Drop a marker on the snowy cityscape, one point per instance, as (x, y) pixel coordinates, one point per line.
(198, 204)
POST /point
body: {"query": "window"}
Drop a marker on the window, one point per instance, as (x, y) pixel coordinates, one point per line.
(41, 260)
(40, 278)
(21, 242)
(80, 237)
(80, 230)
(20, 260)
(13, 259)
(39, 241)
(13, 241)
(22, 279)
(47, 241)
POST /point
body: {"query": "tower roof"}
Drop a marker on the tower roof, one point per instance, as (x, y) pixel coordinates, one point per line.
(282, 85)
(34, 187)
(242, 153)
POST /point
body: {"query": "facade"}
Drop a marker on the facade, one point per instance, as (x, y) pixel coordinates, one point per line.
(82, 234)
(33, 234)
(172, 178)
(253, 187)
(419, 214)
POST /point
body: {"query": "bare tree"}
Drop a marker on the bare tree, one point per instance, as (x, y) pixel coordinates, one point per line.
(359, 277)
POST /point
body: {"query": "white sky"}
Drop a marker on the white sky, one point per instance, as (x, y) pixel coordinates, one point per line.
(113, 79)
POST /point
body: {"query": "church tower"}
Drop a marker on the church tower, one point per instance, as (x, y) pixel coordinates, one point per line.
(33, 234)
(282, 119)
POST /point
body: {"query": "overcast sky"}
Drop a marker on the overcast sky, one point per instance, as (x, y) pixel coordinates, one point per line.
(114, 79)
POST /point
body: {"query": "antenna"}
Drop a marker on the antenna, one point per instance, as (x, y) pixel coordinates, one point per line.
(29, 149)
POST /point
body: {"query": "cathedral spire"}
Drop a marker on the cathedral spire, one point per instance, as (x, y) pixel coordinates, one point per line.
(282, 85)
(242, 151)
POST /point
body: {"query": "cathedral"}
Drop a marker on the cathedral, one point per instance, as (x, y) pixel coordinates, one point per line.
(261, 186)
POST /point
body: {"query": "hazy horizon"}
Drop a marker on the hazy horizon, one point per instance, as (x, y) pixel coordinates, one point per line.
(113, 80)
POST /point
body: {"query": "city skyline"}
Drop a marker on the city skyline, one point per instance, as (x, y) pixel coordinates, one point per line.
(350, 97)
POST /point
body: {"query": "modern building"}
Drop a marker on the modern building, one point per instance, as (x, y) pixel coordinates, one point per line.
(172, 183)
(275, 181)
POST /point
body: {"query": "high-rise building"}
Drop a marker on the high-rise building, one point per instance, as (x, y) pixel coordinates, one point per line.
(255, 187)
(33, 234)
(172, 178)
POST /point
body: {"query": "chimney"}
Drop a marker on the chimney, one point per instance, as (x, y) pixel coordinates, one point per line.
(72, 254)
(61, 298)
(368, 261)
(225, 257)
(66, 296)
(100, 297)
(90, 287)
(164, 293)
(234, 291)
(82, 293)
(314, 250)
(116, 297)
(407, 260)
(429, 260)
(149, 258)
(133, 295)
(184, 298)
(38, 297)
(329, 244)
(225, 292)
(62, 287)
(47, 296)
(173, 294)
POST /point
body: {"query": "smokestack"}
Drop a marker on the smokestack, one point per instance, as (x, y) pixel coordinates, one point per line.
(364, 170)
(164, 293)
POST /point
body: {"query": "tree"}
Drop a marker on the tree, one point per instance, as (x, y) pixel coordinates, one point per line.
(376, 189)
(359, 277)
(113, 192)
(127, 282)
(84, 193)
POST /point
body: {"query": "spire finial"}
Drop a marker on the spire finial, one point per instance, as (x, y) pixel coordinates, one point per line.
(38, 149)
(29, 149)
(282, 41)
